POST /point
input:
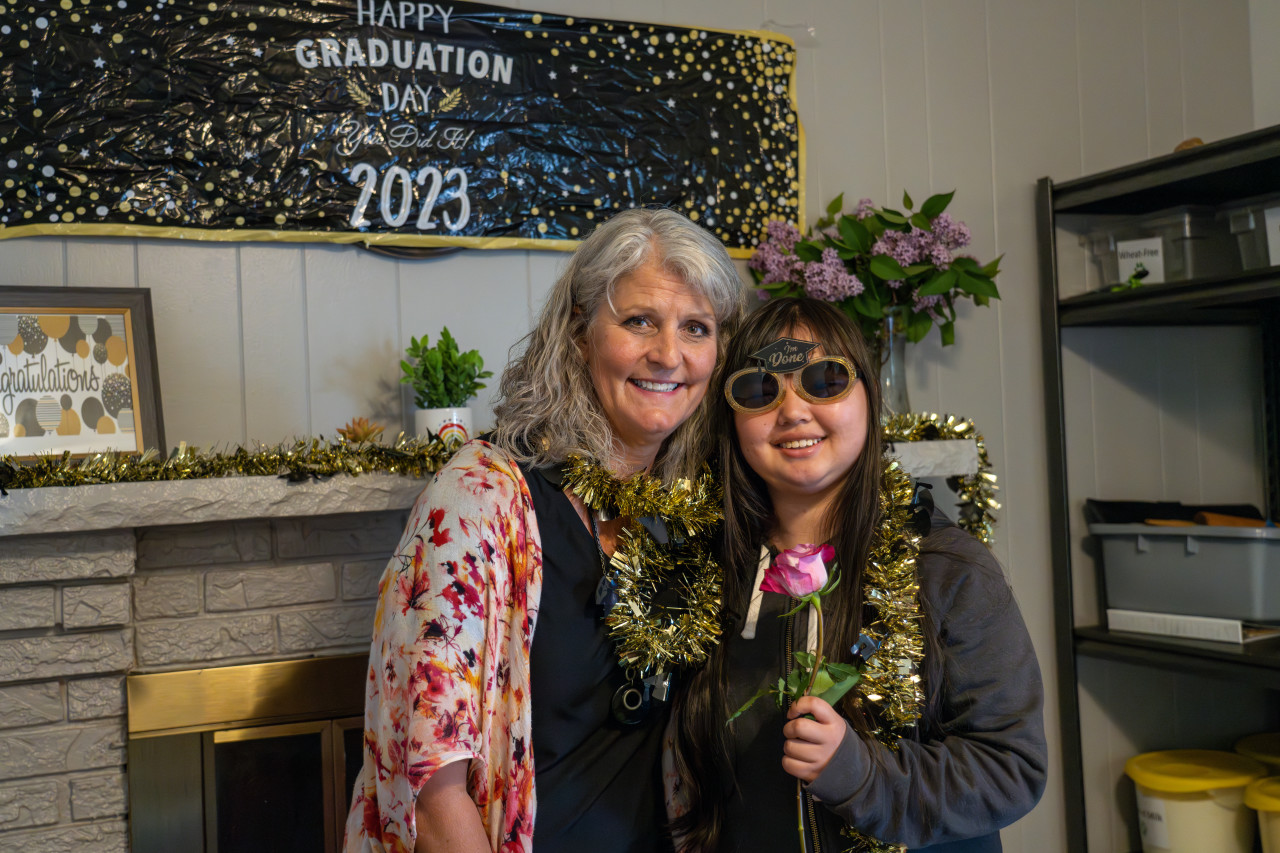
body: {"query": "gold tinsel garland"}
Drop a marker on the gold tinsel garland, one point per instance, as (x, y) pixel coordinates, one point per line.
(653, 639)
(314, 458)
(891, 679)
(976, 491)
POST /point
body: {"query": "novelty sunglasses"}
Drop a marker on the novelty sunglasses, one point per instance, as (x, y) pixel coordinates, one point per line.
(754, 390)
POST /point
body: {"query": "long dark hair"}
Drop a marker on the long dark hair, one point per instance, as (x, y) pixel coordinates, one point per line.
(702, 751)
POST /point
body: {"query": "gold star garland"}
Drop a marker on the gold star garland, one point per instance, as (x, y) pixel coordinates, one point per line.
(976, 491)
(314, 458)
(891, 680)
(648, 638)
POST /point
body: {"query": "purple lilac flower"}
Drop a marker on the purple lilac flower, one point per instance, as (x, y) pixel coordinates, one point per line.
(829, 280)
(774, 263)
(929, 304)
(954, 235)
(940, 256)
(783, 234)
(864, 209)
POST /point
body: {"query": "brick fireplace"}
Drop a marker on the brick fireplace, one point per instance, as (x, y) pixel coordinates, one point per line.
(102, 582)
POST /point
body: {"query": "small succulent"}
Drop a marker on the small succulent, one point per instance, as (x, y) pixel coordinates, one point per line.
(441, 376)
(359, 430)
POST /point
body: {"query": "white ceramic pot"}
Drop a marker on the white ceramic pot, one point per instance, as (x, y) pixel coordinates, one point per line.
(453, 425)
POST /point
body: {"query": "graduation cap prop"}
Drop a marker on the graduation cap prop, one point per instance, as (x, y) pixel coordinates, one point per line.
(784, 355)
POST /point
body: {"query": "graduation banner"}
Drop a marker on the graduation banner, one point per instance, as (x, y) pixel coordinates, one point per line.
(385, 122)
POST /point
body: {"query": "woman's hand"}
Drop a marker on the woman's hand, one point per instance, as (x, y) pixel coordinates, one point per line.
(446, 816)
(810, 744)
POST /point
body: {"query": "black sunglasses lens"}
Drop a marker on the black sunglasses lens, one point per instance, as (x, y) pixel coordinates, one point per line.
(825, 379)
(755, 390)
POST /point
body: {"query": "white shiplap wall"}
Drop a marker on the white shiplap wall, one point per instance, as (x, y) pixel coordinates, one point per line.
(264, 342)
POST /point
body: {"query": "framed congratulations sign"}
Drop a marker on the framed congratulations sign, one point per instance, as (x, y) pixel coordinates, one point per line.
(77, 372)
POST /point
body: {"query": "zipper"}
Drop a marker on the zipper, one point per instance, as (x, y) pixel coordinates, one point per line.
(786, 673)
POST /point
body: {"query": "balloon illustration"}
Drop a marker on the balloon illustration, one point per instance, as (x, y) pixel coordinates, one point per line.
(25, 421)
(117, 393)
(73, 337)
(100, 353)
(33, 337)
(116, 352)
(68, 421)
(102, 331)
(48, 413)
(125, 420)
(91, 412)
(82, 348)
(54, 325)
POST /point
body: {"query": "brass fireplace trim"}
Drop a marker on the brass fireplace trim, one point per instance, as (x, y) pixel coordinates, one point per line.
(163, 703)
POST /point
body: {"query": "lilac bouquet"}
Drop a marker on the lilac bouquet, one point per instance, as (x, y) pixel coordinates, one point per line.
(877, 263)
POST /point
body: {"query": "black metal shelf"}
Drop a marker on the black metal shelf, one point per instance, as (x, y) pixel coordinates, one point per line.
(1257, 663)
(1241, 167)
(1240, 298)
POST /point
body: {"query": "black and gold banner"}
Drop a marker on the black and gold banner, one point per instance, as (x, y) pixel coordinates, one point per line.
(384, 121)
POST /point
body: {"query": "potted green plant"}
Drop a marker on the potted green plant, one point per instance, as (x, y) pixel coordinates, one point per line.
(443, 380)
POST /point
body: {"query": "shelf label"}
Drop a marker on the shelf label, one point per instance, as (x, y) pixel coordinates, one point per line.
(1136, 256)
(1272, 216)
(1151, 821)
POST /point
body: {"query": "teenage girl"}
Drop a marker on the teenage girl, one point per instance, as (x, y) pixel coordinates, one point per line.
(942, 742)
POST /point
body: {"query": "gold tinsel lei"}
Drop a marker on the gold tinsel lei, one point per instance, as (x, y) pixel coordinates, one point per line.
(891, 681)
(653, 638)
(976, 491)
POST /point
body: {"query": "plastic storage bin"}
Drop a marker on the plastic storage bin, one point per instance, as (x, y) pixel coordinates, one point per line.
(1228, 572)
(1248, 224)
(1174, 245)
(1192, 800)
(1263, 796)
(1262, 747)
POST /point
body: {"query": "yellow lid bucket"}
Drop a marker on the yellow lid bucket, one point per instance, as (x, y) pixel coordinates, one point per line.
(1185, 771)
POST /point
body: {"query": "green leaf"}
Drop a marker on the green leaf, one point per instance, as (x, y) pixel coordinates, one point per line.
(892, 217)
(822, 682)
(939, 284)
(836, 205)
(948, 332)
(906, 200)
(935, 204)
(805, 659)
(855, 234)
(978, 286)
(796, 680)
(916, 269)
(966, 264)
(838, 689)
(887, 268)
(765, 691)
(921, 221)
(992, 269)
(808, 251)
(918, 325)
(866, 304)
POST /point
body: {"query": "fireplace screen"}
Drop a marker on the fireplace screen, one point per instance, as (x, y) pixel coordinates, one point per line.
(250, 781)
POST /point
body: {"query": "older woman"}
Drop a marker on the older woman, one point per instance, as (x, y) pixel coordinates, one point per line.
(465, 699)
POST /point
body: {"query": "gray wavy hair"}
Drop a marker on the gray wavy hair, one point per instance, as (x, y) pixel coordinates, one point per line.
(547, 406)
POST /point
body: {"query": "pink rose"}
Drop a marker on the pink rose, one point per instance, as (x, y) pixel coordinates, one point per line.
(799, 571)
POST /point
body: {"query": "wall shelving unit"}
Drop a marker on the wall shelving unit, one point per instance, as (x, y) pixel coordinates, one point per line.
(1217, 174)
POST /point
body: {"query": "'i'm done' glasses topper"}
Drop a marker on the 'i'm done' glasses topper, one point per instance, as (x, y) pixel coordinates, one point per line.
(759, 389)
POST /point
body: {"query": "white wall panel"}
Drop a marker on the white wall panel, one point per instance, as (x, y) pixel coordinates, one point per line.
(274, 331)
(352, 350)
(102, 263)
(1113, 91)
(196, 308)
(906, 114)
(1215, 71)
(1162, 48)
(33, 262)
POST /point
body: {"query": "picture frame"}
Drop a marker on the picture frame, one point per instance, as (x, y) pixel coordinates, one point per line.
(78, 372)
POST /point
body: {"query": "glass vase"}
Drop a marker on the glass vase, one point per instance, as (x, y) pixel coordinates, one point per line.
(893, 368)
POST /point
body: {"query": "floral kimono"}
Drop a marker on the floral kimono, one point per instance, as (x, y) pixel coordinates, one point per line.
(449, 664)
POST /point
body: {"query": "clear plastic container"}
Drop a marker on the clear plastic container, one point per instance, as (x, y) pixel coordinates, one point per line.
(1176, 244)
(1192, 800)
(1247, 222)
(1263, 796)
